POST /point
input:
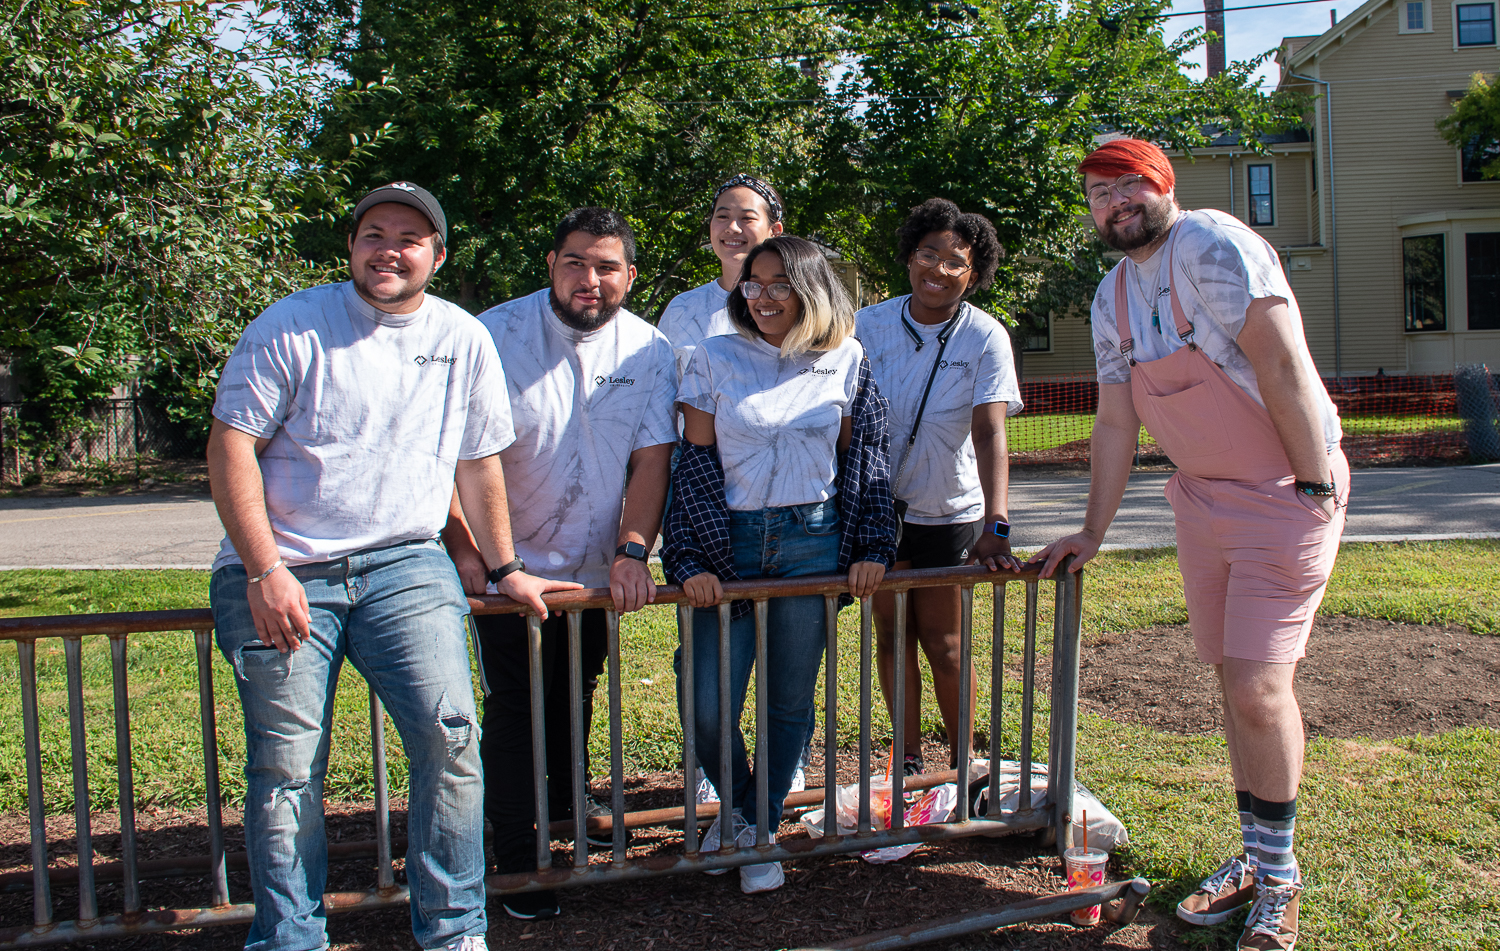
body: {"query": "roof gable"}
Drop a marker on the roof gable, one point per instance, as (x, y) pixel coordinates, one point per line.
(1346, 29)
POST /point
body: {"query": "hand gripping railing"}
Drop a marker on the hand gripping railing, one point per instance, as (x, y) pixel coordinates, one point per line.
(1054, 818)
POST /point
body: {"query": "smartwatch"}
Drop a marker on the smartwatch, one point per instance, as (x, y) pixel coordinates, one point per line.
(1000, 529)
(633, 550)
(506, 570)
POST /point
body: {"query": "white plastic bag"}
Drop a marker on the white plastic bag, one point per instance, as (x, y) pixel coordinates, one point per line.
(1105, 831)
(932, 805)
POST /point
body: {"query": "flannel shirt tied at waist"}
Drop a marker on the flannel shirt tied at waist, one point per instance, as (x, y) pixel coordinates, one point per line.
(696, 537)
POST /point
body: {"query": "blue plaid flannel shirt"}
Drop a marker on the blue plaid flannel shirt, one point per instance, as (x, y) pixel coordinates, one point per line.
(697, 527)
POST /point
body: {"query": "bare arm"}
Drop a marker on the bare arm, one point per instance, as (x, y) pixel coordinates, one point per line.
(987, 429)
(472, 569)
(278, 605)
(481, 492)
(1270, 342)
(630, 581)
(1111, 450)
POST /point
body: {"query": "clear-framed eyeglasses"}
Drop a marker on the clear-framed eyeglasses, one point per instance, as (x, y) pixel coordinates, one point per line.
(1126, 186)
(753, 290)
(952, 267)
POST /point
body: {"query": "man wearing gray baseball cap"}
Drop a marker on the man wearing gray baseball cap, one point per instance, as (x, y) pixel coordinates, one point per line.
(343, 419)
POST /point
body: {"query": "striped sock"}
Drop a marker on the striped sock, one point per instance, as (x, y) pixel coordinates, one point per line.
(1247, 827)
(1275, 824)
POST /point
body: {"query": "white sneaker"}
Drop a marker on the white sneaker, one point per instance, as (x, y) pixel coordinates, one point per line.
(710, 841)
(469, 942)
(765, 877)
(799, 780)
(706, 791)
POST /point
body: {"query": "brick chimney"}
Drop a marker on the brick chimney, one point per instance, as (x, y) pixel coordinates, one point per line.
(1213, 20)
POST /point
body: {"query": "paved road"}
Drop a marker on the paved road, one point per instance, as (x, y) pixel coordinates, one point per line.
(184, 531)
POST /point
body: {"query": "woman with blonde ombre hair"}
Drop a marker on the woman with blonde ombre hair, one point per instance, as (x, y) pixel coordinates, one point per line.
(784, 473)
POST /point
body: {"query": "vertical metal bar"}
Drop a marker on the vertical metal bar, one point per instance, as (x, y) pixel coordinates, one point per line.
(762, 738)
(580, 775)
(538, 742)
(965, 698)
(41, 882)
(385, 874)
(1065, 646)
(88, 906)
(1028, 683)
(726, 768)
(830, 715)
(125, 774)
(898, 727)
(616, 739)
(218, 872)
(997, 697)
(689, 732)
(866, 666)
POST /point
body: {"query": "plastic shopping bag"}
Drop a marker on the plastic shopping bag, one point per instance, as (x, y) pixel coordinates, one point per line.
(932, 805)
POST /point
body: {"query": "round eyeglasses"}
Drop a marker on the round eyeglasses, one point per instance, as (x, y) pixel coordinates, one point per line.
(927, 259)
(753, 290)
(1125, 186)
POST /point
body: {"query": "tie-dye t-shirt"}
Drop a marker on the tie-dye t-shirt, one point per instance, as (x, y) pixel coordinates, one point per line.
(776, 419)
(582, 403)
(1220, 266)
(693, 316)
(367, 414)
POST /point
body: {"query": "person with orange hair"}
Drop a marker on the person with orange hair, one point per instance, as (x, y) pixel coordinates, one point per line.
(1198, 336)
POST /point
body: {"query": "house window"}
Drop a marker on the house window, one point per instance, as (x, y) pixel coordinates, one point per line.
(1260, 195)
(1413, 16)
(1034, 332)
(1482, 271)
(1479, 152)
(1475, 23)
(1422, 264)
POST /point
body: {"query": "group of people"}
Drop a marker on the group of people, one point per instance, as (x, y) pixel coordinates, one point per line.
(377, 453)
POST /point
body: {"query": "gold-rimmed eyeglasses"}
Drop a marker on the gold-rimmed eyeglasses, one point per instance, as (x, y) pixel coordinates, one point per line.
(1126, 186)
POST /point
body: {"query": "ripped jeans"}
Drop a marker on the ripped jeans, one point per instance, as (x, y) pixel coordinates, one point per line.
(397, 614)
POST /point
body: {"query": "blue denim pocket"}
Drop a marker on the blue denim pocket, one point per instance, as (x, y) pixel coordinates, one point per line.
(818, 518)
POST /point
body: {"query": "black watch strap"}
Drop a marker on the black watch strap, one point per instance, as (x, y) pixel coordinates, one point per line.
(633, 550)
(506, 570)
(1316, 489)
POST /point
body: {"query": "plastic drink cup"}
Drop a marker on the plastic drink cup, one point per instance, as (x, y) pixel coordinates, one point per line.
(1085, 867)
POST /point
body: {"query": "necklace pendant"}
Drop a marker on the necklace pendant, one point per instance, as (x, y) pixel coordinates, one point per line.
(1156, 318)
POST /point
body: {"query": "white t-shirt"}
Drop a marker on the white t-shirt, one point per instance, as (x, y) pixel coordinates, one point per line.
(1220, 267)
(776, 419)
(583, 402)
(693, 316)
(367, 413)
(941, 481)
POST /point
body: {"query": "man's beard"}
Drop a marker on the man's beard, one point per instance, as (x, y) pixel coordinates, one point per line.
(1156, 220)
(580, 319)
(413, 288)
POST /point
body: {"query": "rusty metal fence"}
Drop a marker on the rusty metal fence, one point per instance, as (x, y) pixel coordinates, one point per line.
(1054, 816)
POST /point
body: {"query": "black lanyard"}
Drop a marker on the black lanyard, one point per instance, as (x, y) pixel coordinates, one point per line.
(943, 337)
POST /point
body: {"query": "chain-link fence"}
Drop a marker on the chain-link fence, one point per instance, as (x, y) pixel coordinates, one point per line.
(118, 437)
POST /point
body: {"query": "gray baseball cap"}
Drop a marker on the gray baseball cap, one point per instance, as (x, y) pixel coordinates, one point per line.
(405, 193)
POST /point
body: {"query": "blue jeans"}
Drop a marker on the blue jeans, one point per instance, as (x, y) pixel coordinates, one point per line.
(397, 614)
(770, 543)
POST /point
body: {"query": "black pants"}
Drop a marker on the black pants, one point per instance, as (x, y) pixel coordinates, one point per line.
(505, 741)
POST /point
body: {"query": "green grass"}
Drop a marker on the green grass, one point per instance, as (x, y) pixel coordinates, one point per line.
(1398, 836)
(1377, 425)
(1035, 433)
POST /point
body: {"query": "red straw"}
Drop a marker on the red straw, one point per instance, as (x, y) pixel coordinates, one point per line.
(1085, 832)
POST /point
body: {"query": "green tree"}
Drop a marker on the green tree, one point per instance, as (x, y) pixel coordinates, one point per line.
(154, 163)
(1473, 126)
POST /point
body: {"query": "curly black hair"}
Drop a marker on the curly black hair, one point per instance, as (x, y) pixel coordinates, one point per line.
(940, 214)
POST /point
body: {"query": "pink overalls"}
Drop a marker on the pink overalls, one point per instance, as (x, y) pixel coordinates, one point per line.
(1255, 554)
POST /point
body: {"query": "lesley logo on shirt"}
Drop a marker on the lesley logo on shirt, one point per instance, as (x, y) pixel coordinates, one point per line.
(819, 371)
(613, 381)
(422, 361)
(955, 364)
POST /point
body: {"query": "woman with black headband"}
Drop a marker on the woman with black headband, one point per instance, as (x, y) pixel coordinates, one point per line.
(746, 211)
(946, 367)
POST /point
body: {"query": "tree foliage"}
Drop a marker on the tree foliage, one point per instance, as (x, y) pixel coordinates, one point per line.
(1473, 127)
(154, 161)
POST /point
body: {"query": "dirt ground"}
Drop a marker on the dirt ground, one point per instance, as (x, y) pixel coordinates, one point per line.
(1362, 679)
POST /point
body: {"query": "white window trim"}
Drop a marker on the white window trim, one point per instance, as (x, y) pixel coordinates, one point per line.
(1275, 212)
(1495, 19)
(1401, 26)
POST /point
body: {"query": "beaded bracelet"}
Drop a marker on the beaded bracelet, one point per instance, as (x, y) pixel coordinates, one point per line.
(267, 573)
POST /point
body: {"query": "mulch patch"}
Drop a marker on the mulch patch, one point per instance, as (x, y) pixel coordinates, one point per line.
(1362, 678)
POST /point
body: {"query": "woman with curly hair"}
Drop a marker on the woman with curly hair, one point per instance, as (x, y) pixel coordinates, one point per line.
(784, 473)
(947, 370)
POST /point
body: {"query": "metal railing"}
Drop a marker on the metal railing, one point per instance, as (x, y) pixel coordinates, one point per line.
(1054, 817)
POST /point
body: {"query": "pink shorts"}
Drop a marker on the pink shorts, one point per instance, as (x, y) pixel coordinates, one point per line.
(1255, 560)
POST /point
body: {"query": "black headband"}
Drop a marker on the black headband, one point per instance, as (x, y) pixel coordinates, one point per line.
(756, 185)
